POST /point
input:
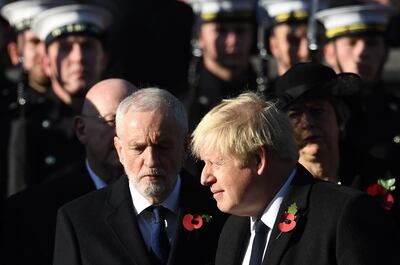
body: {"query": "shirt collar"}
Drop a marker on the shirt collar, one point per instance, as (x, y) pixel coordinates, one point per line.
(270, 213)
(98, 182)
(140, 203)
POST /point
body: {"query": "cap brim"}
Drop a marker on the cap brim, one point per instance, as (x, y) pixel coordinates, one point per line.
(345, 84)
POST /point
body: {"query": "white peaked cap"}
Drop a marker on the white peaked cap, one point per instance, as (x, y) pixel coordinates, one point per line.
(345, 20)
(20, 13)
(212, 9)
(69, 19)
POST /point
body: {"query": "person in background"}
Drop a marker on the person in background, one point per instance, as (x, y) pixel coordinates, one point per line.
(309, 94)
(30, 217)
(28, 92)
(281, 214)
(356, 41)
(26, 51)
(74, 61)
(225, 37)
(287, 34)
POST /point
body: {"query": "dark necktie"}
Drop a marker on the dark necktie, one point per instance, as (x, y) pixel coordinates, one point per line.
(159, 240)
(260, 239)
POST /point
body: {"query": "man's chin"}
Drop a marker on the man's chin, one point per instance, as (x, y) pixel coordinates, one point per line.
(311, 149)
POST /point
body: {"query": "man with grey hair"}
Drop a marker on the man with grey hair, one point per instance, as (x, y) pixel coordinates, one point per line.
(281, 214)
(154, 215)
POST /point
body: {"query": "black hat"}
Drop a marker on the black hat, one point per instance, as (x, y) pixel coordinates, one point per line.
(313, 80)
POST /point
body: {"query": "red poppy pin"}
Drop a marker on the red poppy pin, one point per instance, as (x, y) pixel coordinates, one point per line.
(195, 221)
(288, 220)
(381, 190)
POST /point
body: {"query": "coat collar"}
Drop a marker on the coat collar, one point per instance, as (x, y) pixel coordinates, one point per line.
(123, 222)
(298, 193)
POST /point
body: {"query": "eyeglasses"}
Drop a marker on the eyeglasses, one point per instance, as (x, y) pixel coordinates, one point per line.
(108, 120)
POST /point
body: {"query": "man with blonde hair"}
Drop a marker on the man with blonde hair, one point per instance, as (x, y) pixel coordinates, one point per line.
(281, 214)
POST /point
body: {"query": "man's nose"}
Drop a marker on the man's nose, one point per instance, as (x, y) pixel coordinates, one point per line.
(151, 157)
(77, 52)
(207, 178)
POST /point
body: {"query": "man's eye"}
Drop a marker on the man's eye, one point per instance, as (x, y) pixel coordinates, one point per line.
(137, 149)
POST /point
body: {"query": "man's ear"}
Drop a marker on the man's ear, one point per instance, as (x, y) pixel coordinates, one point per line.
(272, 45)
(200, 41)
(46, 65)
(12, 50)
(79, 125)
(330, 54)
(118, 147)
(261, 160)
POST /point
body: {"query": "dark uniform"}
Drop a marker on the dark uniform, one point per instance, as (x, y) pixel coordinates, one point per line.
(370, 145)
(42, 141)
(209, 90)
(30, 221)
(7, 110)
(206, 89)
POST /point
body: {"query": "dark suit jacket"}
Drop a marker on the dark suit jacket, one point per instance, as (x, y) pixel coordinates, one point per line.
(336, 225)
(30, 220)
(101, 228)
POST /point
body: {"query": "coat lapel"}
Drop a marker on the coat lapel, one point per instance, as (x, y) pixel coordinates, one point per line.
(238, 238)
(182, 237)
(194, 247)
(297, 193)
(123, 222)
(179, 238)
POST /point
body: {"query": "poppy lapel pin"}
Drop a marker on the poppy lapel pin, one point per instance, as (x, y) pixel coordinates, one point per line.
(288, 220)
(195, 221)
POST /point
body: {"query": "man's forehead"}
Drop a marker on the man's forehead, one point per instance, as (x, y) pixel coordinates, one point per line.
(76, 39)
(298, 27)
(229, 24)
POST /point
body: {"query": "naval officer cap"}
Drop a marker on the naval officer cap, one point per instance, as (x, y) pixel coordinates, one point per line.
(286, 11)
(77, 19)
(225, 10)
(355, 19)
(19, 14)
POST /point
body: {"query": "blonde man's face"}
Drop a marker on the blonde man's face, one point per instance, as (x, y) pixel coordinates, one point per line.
(230, 183)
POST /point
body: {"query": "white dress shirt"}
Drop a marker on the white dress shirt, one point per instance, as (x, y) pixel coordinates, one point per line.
(144, 217)
(268, 217)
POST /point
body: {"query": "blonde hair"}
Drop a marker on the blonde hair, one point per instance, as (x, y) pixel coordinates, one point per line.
(239, 126)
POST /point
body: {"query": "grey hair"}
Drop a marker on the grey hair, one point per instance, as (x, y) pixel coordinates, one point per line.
(149, 99)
